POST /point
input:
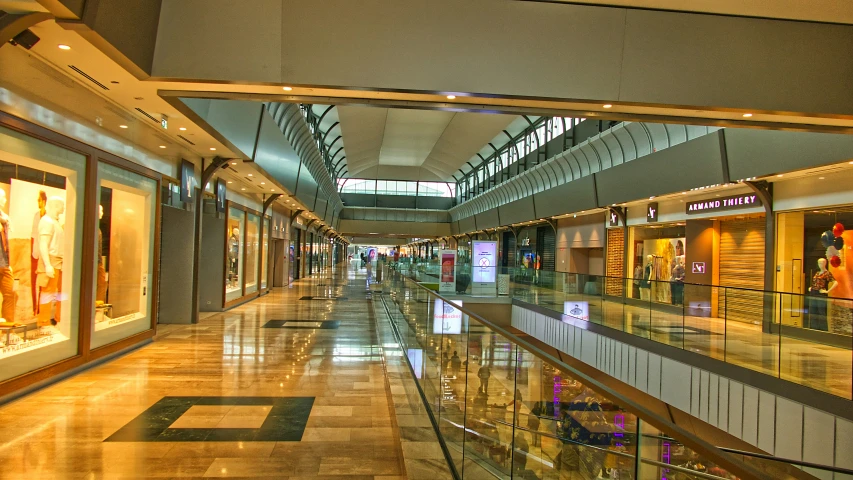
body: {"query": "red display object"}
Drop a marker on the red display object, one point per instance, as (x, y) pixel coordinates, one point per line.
(835, 261)
(837, 229)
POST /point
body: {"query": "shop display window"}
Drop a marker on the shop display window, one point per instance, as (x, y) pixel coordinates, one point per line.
(265, 255)
(41, 241)
(812, 250)
(252, 250)
(234, 231)
(657, 264)
(125, 254)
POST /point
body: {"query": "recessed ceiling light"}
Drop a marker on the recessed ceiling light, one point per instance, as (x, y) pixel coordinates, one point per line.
(243, 188)
(162, 146)
(229, 181)
(182, 129)
(607, 105)
(233, 163)
(747, 115)
(272, 189)
(684, 193)
(263, 183)
(287, 89)
(212, 149)
(451, 97)
(122, 126)
(250, 174)
(63, 46)
(779, 175)
(820, 178)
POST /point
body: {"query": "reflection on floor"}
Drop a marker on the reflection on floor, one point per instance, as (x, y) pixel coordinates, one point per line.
(225, 398)
(822, 367)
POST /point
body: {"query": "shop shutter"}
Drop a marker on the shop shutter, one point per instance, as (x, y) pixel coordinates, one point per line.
(742, 265)
(546, 246)
(615, 261)
(509, 248)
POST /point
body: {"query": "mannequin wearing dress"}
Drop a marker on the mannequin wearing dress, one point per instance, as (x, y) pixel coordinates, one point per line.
(822, 283)
(645, 283)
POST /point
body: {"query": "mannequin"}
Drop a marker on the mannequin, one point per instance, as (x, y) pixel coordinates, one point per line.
(7, 279)
(101, 292)
(51, 246)
(676, 281)
(822, 283)
(645, 283)
(34, 249)
(233, 255)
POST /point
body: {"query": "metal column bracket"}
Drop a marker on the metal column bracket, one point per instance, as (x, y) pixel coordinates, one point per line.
(13, 24)
(764, 191)
(621, 214)
(268, 201)
(206, 176)
(295, 214)
(553, 224)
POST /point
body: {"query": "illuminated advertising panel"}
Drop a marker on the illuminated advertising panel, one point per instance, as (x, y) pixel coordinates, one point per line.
(446, 318)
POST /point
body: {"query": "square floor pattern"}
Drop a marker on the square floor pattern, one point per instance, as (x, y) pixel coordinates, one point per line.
(219, 419)
(312, 324)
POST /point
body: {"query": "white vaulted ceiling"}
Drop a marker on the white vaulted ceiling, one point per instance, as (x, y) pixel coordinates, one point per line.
(414, 144)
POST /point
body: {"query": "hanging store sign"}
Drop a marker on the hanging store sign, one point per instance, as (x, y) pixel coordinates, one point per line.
(652, 212)
(187, 181)
(725, 203)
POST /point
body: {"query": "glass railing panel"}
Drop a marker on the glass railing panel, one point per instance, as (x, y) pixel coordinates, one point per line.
(703, 332)
(454, 370)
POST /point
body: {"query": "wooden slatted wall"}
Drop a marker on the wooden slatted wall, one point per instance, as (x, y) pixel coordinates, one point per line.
(742, 265)
(615, 262)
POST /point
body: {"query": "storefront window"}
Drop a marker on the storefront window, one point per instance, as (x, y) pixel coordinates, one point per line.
(125, 254)
(812, 248)
(657, 255)
(41, 225)
(252, 250)
(234, 231)
(265, 241)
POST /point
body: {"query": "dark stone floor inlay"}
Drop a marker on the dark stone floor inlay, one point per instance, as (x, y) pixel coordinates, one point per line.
(312, 297)
(285, 422)
(312, 324)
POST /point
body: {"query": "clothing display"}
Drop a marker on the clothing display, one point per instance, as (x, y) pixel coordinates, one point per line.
(676, 284)
(51, 249)
(7, 281)
(818, 298)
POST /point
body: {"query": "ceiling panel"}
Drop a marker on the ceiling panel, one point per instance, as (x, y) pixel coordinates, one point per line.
(363, 129)
(410, 136)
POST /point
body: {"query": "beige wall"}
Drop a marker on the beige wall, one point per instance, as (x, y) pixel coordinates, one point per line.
(412, 229)
(575, 238)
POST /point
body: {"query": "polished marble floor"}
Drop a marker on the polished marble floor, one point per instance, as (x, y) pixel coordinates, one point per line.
(277, 388)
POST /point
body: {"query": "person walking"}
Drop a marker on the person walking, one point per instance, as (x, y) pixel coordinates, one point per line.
(483, 374)
(455, 364)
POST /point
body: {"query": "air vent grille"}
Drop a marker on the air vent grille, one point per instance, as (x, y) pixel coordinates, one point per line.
(147, 115)
(88, 77)
(186, 139)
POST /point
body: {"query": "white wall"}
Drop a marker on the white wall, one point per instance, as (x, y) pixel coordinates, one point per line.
(812, 192)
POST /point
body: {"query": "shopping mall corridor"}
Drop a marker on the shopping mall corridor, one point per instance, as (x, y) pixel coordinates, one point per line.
(282, 387)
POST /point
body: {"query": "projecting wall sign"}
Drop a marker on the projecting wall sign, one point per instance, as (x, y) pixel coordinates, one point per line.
(652, 212)
(725, 203)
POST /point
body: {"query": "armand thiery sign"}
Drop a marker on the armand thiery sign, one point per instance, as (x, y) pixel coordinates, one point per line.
(725, 203)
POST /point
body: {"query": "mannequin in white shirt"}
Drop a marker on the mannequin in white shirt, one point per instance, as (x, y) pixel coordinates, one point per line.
(51, 246)
(34, 249)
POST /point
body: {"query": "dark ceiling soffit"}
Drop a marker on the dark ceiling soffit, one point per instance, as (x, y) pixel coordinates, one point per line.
(510, 110)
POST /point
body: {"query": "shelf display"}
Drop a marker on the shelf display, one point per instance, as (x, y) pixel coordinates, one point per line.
(265, 252)
(41, 186)
(125, 254)
(252, 250)
(234, 231)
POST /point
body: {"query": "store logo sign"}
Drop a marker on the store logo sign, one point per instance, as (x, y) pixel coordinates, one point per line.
(614, 219)
(652, 212)
(725, 203)
(698, 267)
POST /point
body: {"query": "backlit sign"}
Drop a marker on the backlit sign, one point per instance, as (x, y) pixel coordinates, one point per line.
(747, 200)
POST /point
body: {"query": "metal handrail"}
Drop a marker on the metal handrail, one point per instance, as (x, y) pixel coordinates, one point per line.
(798, 463)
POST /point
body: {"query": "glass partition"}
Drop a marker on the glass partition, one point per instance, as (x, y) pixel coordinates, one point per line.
(41, 241)
(234, 245)
(253, 225)
(125, 254)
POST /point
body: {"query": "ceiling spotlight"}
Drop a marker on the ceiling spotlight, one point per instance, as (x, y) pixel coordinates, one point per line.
(820, 178)
(250, 174)
(182, 129)
(263, 183)
(162, 146)
(779, 175)
(287, 89)
(229, 181)
(233, 163)
(272, 189)
(684, 193)
(747, 115)
(607, 105)
(451, 97)
(62, 46)
(212, 149)
(243, 188)
(122, 126)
